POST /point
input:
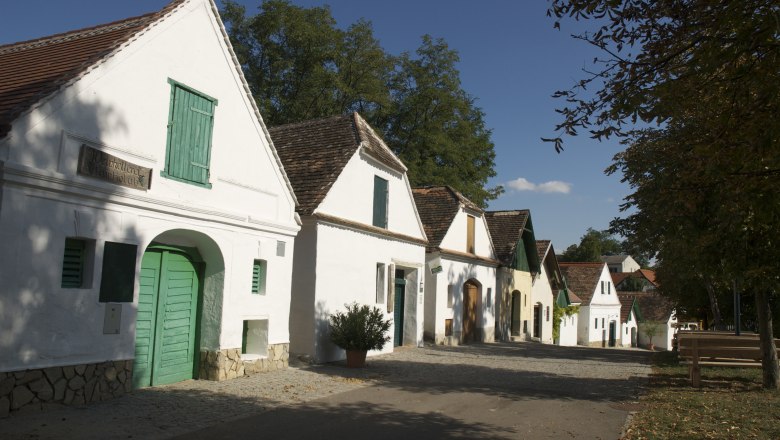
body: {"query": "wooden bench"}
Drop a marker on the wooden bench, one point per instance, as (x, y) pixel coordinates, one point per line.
(718, 349)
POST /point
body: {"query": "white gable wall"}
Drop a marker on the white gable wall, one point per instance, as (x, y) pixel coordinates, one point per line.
(352, 196)
(627, 328)
(344, 259)
(593, 327)
(121, 107)
(455, 239)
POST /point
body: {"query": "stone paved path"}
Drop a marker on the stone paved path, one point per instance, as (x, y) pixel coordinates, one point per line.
(517, 390)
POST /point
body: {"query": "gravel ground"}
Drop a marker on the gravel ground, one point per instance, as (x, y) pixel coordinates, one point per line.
(511, 370)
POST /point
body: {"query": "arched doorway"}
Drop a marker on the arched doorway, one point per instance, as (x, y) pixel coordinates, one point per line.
(516, 322)
(633, 337)
(470, 295)
(612, 333)
(180, 270)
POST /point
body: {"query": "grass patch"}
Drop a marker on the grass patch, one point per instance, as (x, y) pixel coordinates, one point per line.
(731, 404)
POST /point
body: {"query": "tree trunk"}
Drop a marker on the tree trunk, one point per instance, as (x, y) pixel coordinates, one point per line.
(717, 321)
(768, 349)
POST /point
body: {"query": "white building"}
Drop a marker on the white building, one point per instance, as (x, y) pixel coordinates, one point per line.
(146, 224)
(629, 319)
(599, 318)
(460, 279)
(513, 238)
(620, 263)
(362, 240)
(549, 290)
(658, 312)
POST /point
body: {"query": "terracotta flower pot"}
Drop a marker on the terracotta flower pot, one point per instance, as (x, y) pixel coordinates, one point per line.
(356, 358)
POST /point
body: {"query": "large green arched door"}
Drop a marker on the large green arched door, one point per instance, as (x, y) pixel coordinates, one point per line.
(165, 340)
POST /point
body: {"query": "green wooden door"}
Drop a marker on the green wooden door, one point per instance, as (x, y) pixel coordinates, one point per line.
(398, 312)
(167, 313)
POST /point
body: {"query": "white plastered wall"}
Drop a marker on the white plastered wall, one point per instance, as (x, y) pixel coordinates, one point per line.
(603, 307)
(346, 262)
(455, 273)
(542, 294)
(121, 107)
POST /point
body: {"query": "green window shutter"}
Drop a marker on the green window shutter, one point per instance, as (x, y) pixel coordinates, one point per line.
(380, 202)
(259, 271)
(118, 278)
(73, 263)
(190, 128)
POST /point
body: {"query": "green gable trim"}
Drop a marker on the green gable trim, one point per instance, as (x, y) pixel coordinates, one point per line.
(562, 299)
(521, 257)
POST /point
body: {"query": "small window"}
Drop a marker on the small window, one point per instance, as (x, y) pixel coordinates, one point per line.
(190, 125)
(380, 283)
(609, 288)
(447, 327)
(380, 202)
(626, 330)
(602, 323)
(118, 277)
(280, 248)
(259, 274)
(602, 287)
(254, 341)
(547, 313)
(450, 295)
(596, 322)
(77, 263)
(489, 298)
(470, 234)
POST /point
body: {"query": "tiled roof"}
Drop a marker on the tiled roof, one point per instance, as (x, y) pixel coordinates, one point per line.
(315, 152)
(32, 70)
(614, 259)
(506, 228)
(541, 248)
(626, 303)
(619, 277)
(438, 206)
(582, 278)
(649, 274)
(573, 298)
(654, 307)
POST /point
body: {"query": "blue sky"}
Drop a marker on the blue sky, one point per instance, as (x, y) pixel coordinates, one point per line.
(512, 60)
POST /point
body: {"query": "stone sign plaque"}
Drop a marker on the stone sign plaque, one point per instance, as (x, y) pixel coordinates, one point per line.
(103, 166)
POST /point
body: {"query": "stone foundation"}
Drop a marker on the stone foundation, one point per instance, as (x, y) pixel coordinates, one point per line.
(69, 385)
(227, 363)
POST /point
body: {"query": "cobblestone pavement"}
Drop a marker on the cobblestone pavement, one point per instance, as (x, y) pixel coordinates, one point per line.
(428, 380)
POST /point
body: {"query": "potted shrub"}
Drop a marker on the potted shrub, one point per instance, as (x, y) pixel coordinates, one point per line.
(360, 329)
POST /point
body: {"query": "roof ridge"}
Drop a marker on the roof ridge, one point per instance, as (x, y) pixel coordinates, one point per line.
(508, 212)
(77, 33)
(308, 122)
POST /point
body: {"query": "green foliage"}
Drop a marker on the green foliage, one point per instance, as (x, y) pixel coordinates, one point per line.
(651, 329)
(301, 66)
(360, 328)
(592, 246)
(559, 313)
(704, 168)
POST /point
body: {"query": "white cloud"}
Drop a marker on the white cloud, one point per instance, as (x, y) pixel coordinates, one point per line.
(553, 186)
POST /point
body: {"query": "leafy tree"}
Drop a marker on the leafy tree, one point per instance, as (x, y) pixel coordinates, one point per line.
(702, 79)
(436, 128)
(300, 65)
(592, 246)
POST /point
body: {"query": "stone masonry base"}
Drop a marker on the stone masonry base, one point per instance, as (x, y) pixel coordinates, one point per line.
(227, 363)
(81, 384)
(69, 385)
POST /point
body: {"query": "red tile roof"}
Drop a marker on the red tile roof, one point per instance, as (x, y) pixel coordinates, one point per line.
(619, 277)
(626, 303)
(506, 227)
(32, 70)
(582, 278)
(315, 152)
(438, 206)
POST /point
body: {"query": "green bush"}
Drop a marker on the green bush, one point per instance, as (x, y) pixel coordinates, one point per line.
(360, 328)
